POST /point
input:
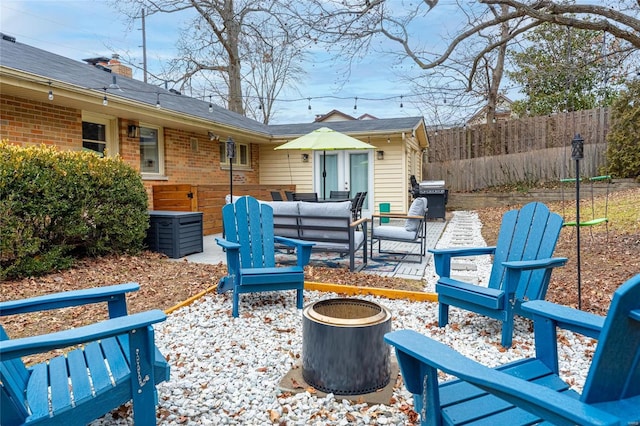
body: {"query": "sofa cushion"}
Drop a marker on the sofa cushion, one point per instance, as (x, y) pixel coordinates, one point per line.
(418, 208)
(332, 215)
(398, 233)
(285, 226)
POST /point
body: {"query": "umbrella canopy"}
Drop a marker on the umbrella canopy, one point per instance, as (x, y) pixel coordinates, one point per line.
(325, 139)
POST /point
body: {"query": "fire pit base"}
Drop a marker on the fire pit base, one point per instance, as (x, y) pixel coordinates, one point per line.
(294, 383)
(343, 351)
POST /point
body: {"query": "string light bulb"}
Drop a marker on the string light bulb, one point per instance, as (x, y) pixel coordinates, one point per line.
(401, 105)
(105, 101)
(355, 106)
(158, 100)
(50, 94)
(309, 107)
(210, 104)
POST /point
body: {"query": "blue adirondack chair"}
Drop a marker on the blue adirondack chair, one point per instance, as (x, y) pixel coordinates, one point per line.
(529, 391)
(521, 270)
(250, 246)
(79, 387)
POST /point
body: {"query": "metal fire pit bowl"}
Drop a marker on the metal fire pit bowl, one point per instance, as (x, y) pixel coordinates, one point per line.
(342, 347)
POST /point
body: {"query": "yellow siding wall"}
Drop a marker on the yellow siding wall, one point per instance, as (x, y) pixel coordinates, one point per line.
(286, 168)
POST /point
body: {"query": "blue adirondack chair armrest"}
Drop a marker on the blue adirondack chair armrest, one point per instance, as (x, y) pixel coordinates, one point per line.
(442, 257)
(303, 248)
(227, 245)
(566, 318)
(113, 294)
(514, 268)
(422, 354)
(15, 348)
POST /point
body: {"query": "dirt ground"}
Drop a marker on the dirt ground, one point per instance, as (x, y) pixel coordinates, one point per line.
(608, 258)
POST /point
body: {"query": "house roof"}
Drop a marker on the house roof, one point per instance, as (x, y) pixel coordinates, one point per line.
(381, 125)
(45, 71)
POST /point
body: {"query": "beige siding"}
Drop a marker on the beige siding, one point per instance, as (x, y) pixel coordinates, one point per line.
(286, 168)
(390, 181)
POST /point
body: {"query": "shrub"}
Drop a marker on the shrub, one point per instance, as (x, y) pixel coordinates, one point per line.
(58, 205)
(623, 154)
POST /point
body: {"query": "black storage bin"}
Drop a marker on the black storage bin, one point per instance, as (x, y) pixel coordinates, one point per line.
(175, 234)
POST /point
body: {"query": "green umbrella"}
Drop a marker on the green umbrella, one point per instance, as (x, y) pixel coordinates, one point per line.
(325, 139)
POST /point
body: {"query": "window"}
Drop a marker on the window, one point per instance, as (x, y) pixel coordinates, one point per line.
(242, 157)
(97, 134)
(151, 151)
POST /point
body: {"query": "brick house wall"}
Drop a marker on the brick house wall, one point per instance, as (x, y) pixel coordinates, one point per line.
(190, 157)
(33, 123)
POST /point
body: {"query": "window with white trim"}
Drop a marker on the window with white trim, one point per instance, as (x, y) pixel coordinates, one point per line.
(98, 134)
(151, 151)
(242, 158)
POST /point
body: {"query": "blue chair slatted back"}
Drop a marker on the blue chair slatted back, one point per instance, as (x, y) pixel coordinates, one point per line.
(250, 223)
(526, 234)
(13, 380)
(615, 368)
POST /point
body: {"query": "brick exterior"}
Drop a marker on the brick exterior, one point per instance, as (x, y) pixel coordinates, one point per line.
(27, 122)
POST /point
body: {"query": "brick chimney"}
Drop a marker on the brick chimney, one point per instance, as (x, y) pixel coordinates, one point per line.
(116, 66)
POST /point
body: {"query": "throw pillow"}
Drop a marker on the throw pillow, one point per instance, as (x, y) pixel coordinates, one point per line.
(418, 208)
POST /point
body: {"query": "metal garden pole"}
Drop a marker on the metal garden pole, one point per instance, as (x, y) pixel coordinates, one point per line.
(231, 154)
(577, 153)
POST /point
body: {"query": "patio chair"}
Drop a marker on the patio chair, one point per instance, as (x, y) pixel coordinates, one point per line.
(522, 266)
(305, 196)
(288, 195)
(276, 196)
(339, 195)
(413, 231)
(530, 391)
(116, 361)
(357, 204)
(250, 247)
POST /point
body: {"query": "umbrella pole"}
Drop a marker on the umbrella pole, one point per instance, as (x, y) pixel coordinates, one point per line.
(324, 175)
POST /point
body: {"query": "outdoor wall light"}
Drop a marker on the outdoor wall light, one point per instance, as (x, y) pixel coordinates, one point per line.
(380, 155)
(133, 131)
(305, 158)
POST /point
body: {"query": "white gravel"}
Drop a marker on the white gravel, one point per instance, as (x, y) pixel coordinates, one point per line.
(226, 370)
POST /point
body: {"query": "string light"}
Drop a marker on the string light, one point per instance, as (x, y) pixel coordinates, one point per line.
(210, 104)
(158, 100)
(401, 101)
(355, 106)
(105, 101)
(50, 92)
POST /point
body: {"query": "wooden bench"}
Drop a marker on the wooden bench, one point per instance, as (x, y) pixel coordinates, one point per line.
(329, 225)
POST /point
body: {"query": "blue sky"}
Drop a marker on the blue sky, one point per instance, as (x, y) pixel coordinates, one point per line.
(84, 29)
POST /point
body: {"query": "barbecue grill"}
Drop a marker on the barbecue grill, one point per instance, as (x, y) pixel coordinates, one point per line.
(435, 193)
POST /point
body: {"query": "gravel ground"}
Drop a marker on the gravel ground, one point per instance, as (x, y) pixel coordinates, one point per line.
(226, 370)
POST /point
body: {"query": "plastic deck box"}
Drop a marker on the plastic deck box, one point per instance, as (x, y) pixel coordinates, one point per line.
(175, 234)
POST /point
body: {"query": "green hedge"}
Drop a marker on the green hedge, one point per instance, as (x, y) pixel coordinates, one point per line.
(59, 205)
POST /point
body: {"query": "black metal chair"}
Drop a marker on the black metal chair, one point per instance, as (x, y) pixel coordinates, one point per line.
(276, 196)
(356, 205)
(342, 195)
(305, 196)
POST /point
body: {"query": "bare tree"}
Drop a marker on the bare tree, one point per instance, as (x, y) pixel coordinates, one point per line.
(221, 38)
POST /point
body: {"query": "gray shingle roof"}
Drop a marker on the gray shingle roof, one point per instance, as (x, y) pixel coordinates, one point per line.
(49, 66)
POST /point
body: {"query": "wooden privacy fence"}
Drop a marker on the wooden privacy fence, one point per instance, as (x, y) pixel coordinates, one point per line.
(525, 150)
(547, 165)
(208, 199)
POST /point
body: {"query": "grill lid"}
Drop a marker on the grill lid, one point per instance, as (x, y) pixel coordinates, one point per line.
(431, 184)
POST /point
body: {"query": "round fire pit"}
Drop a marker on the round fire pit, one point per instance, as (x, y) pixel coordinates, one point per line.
(342, 347)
